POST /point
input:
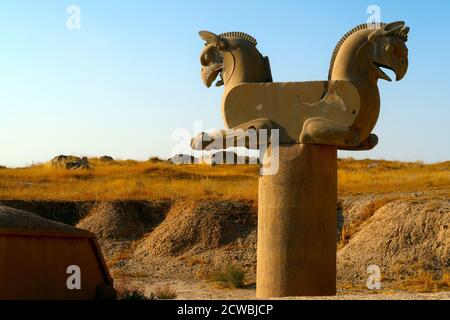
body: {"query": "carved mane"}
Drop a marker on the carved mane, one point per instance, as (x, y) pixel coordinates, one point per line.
(402, 33)
(241, 35)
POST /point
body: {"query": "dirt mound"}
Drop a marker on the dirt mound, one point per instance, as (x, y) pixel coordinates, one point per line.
(354, 211)
(403, 234)
(124, 220)
(403, 238)
(197, 227)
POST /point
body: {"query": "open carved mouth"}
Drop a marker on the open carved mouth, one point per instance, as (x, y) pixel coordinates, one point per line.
(211, 73)
(383, 74)
(219, 78)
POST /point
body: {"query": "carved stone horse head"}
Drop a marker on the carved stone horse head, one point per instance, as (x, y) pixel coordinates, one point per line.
(360, 57)
(234, 57)
(367, 50)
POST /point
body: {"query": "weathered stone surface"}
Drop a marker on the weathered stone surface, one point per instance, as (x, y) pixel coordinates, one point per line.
(297, 224)
(183, 159)
(341, 111)
(70, 162)
(106, 159)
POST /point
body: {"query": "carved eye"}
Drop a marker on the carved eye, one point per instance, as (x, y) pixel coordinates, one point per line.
(204, 59)
(389, 48)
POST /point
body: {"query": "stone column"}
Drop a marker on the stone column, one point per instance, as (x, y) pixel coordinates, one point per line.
(297, 224)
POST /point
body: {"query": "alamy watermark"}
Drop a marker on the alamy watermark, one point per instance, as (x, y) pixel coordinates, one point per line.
(374, 19)
(74, 19)
(374, 279)
(74, 280)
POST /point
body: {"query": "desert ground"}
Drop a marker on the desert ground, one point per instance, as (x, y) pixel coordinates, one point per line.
(189, 231)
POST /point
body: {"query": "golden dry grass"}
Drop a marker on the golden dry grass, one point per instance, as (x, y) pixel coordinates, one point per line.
(164, 293)
(392, 176)
(425, 282)
(132, 180)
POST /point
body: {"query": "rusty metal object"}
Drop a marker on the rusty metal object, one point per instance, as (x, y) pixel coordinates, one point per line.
(35, 255)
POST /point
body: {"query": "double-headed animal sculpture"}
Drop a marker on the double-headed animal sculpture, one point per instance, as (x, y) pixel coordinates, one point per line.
(341, 111)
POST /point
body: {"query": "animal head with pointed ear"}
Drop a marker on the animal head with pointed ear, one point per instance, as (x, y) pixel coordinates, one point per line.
(234, 58)
(389, 50)
(211, 57)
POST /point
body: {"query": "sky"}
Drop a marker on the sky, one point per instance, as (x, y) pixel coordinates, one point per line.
(127, 82)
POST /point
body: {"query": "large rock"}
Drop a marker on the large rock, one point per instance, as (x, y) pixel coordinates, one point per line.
(183, 159)
(248, 160)
(228, 157)
(70, 162)
(224, 157)
(106, 159)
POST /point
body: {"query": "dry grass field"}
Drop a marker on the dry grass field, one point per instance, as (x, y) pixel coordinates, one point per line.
(132, 180)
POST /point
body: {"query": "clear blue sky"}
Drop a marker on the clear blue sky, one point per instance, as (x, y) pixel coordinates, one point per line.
(131, 76)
